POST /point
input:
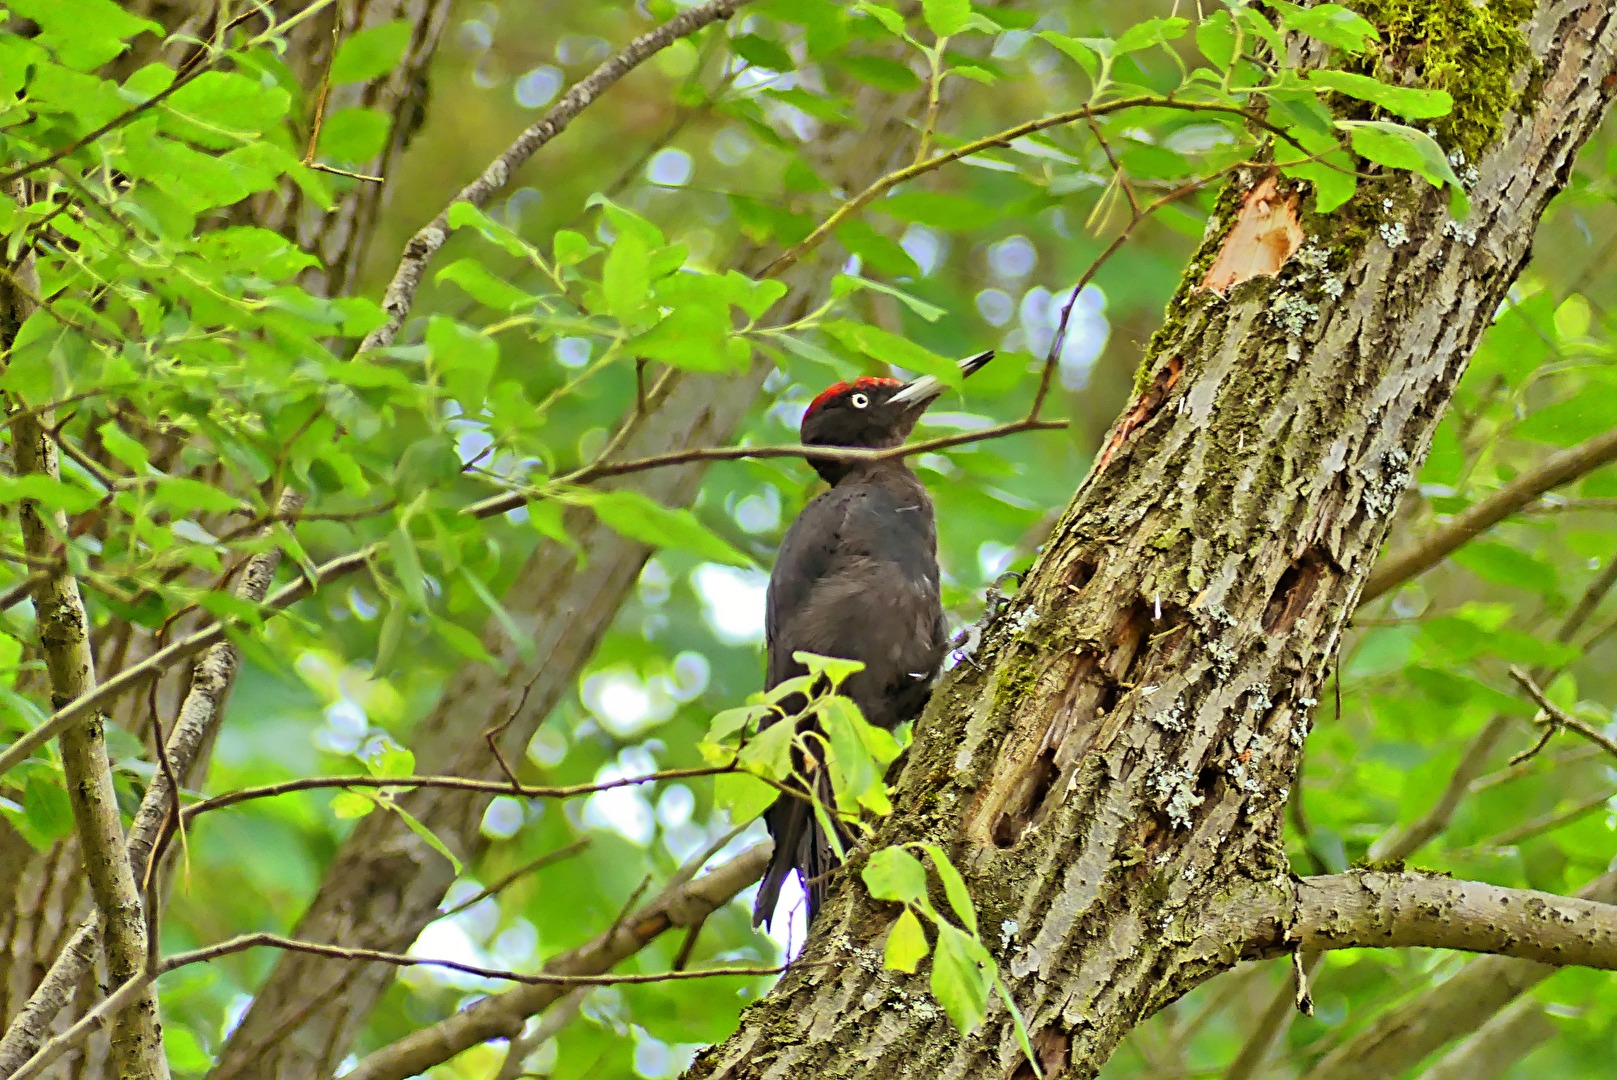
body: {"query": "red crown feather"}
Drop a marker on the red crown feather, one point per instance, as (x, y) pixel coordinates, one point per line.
(864, 382)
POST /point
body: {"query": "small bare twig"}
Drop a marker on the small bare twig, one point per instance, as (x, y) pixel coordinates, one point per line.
(456, 783)
(1553, 717)
(549, 858)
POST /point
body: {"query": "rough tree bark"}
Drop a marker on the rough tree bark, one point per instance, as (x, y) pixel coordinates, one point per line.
(1110, 774)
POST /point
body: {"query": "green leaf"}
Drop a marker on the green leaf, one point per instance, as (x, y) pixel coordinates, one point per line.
(371, 53)
(1331, 23)
(1502, 564)
(426, 834)
(1332, 174)
(464, 358)
(387, 640)
(571, 248)
(1215, 37)
(407, 567)
(843, 284)
(890, 348)
(1410, 102)
(1020, 1024)
(733, 722)
(1082, 50)
(890, 19)
(46, 806)
(946, 17)
(742, 795)
(1401, 147)
(906, 944)
(1572, 420)
(476, 281)
(954, 886)
(769, 753)
(761, 52)
(1143, 35)
(347, 805)
(83, 34)
(183, 1049)
(962, 975)
(462, 214)
(188, 496)
(626, 278)
(129, 452)
(833, 668)
(894, 874)
(640, 518)
(462, 640)
(391, 760)
(354, 136)
(858, 780)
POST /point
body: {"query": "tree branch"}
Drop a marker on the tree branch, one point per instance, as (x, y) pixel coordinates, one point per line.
(400, 295)
(197, 721)
(158, 662)
(682, 904)
(1556, 717)
(1398, 844)
(454, 783)
(63, 628)
(1371, 909)
(1409, 562)
(1405, 1035)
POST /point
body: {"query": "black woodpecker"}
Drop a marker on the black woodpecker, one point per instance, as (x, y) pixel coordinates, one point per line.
(857, 578)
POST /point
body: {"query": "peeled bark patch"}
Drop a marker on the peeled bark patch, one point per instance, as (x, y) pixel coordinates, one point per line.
(1266, 234)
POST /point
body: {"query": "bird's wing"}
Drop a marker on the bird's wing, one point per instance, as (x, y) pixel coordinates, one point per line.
(807, 555)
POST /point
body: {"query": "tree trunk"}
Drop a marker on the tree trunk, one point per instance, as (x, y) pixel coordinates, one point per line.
(1111, 769)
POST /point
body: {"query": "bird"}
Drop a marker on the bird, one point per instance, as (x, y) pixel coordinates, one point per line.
(856, 578)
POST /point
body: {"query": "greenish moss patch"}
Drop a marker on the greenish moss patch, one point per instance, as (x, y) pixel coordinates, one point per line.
(1469, 48)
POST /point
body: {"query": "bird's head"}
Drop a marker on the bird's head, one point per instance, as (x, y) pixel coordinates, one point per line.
(871, 413)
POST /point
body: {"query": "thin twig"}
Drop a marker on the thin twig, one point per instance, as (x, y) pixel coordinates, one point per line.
(455, 783)
(1556, 717)
(1557, 469)
(401, 291)
(549, 858)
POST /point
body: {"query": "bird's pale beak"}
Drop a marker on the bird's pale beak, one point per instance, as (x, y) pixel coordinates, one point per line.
(919, 393)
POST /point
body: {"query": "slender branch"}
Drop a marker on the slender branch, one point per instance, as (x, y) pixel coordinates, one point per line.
(378, 956)
(549, 858)
(63, 628)
(1400, 566)
(683, 904)
(197, 720)
(401, 291)
(601, 470)
(1557, 717)
(1002, 138)
(454, 783)
(142, 981)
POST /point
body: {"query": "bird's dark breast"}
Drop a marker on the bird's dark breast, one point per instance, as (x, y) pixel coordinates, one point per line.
(873, 597)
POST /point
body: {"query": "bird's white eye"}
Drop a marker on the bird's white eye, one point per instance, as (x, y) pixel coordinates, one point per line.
(859, 401)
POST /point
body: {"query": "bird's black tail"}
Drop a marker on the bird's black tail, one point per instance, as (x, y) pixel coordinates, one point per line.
(801, 845)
